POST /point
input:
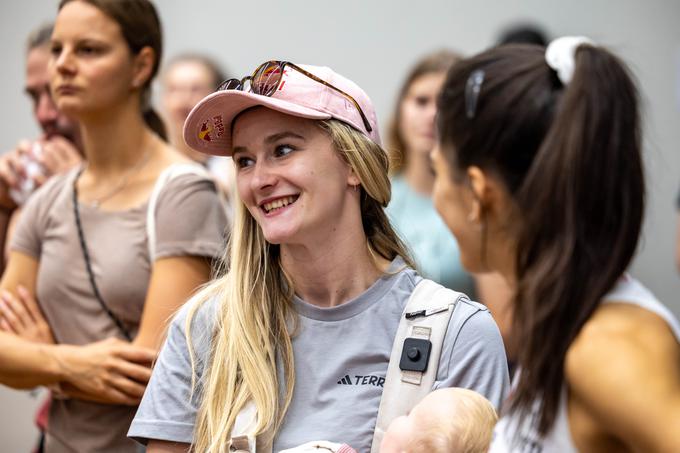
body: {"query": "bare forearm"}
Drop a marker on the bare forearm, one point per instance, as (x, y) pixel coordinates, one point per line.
(5, 218)
(173, 281)
(24, 364)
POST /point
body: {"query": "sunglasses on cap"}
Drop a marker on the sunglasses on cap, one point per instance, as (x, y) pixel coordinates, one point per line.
(267, 78)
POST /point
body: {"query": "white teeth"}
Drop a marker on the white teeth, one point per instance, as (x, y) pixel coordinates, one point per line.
(276, 204)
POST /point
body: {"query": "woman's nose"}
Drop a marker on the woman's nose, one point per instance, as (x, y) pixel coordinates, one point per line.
(263, 175)
(63, 62)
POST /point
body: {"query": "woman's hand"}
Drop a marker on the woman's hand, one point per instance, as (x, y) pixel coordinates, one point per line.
(110, 371)
(21, 316)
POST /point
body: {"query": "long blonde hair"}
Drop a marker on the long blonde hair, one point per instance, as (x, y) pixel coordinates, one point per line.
(255, 316)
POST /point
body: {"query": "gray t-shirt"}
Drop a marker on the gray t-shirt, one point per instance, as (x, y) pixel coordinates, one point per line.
(341, 356)
(190, 221)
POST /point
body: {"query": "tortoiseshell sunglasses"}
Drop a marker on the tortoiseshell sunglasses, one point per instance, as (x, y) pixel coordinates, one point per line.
(267, 78)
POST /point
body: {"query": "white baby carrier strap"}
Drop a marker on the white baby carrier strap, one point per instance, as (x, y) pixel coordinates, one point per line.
(242, 438)
(164, 178)
(425, 318)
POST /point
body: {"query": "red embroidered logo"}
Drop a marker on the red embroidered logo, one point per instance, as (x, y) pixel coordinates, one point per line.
(219, 125)
(204, 133)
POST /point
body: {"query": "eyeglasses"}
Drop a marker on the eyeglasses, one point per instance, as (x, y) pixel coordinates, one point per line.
(267, 78)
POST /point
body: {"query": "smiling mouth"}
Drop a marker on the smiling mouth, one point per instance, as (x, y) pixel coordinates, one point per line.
(279, 203)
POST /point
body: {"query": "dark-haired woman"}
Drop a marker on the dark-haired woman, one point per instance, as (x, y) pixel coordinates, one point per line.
(83, 247)
(539, 176)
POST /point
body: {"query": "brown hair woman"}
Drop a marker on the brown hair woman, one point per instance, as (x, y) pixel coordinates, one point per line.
(81, 247)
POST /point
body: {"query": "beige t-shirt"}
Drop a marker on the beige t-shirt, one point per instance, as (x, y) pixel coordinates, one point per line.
(190, 221)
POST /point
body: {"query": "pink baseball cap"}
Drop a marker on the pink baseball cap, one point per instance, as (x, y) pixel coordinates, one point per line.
(208, 127)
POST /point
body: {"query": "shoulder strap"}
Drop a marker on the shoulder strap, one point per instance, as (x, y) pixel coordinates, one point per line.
(425, 317)
(166, 176)
(242, 439)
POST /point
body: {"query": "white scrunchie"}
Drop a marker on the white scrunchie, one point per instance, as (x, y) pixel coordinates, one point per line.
(560, 55)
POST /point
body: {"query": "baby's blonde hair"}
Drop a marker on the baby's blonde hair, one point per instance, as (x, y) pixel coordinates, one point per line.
(468, 429)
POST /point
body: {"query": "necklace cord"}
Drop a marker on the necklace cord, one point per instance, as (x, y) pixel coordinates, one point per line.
(123, 181)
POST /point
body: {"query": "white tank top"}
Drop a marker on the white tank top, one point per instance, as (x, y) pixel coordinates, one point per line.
(513, 434)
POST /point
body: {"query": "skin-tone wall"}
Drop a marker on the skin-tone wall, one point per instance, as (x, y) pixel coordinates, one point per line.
(355, 43)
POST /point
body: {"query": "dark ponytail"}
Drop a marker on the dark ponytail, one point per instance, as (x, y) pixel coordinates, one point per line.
(155, 123)
(570, 157)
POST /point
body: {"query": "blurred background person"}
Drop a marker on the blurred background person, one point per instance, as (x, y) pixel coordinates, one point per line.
(523, 33)
(82, 246)
(186, 79)
(27, 166)
(410, 138)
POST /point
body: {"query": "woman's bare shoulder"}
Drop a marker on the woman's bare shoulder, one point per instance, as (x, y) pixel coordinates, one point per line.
(624, 367)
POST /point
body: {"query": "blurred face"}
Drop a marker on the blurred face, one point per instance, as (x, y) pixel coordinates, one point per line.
(290, 177)
(454, 202)
(418, 109)
(91, 68)
(52, 122)
(185, 83)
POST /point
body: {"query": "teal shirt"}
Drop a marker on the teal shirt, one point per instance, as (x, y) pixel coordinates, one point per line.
(433, 246)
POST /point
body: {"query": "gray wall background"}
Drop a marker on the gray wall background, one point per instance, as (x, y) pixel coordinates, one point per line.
(373, 43)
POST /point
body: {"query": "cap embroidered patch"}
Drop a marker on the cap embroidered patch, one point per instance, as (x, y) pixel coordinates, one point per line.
(210, 126)
(204, 133)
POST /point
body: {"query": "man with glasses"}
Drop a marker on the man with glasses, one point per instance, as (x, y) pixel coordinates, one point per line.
(27, 166)
(57, 149)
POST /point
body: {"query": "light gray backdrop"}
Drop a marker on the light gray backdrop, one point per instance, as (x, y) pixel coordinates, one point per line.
(373, 43)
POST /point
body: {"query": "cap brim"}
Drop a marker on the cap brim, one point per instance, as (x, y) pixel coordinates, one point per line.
(207, 129)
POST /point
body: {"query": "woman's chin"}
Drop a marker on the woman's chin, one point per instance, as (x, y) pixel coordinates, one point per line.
(279, 237)
(72, 108)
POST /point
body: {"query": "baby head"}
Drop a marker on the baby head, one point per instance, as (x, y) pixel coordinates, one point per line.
(451, 420)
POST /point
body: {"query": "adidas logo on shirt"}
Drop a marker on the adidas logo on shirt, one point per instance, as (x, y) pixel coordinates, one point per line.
(376, 381)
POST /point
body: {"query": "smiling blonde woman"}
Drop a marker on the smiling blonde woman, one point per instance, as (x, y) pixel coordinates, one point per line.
(302, 324)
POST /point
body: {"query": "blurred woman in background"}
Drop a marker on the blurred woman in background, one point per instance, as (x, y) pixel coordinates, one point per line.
(411, 137)
(186, 79)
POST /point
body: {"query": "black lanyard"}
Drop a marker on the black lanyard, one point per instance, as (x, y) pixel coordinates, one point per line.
(88, 264)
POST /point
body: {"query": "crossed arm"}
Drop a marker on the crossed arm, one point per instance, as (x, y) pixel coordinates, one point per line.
(108, 371)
